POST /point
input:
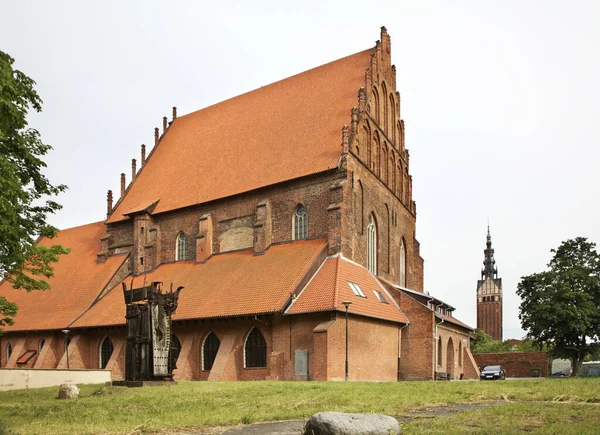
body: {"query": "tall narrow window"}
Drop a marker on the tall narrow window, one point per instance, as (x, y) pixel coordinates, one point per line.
(255, 350)
(300, 223)
(402, 264)
(376, 105)
(180, 248)
(8, 351)
(460, 354)
(175, 349)
(372, 245)
(41, 345)
(439, 352)
(393, 119)
(106, 350)
(209, 351)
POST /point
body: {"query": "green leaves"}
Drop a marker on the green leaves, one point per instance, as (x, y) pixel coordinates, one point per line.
(560, 307)
(24, 189)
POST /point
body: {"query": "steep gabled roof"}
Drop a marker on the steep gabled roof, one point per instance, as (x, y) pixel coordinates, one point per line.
(331, 286)
(288, 129)
(423, 298)
(230, 284)
(77, 281)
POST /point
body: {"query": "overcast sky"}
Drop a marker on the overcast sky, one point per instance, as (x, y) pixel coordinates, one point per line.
(501, 102)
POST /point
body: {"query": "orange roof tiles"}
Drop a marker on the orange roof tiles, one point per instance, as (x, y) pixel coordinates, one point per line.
(288, 129)
(231, 284)
(329, 288)
(453, 320)
(77, 281)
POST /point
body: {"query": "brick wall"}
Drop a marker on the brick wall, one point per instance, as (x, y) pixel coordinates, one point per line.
(417, 351)
(516, 364)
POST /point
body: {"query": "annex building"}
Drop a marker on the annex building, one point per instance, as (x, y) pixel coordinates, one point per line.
(296, 197)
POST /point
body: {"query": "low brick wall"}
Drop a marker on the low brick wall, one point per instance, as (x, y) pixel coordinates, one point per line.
(516, 364)
(17, 379)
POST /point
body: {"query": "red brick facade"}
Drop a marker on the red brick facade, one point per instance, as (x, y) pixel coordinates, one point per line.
(372, 179)
(517, 364)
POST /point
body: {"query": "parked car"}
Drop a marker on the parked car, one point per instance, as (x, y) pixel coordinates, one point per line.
(492, 372)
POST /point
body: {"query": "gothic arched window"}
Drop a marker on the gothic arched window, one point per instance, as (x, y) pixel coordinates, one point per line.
(41, 345)
(300, 223)
(209, 350)
(439, 352)
(372, 245)
(376, 105)
(255, 350)
(175, 349)
(180, 247)
(8, 351)
(106, 350)
(402, 264)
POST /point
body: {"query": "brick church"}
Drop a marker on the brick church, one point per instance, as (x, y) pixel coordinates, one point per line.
(305, 203)
(489, 294)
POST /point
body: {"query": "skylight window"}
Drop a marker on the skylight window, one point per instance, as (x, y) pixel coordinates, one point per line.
(380, 296)
(356, 289)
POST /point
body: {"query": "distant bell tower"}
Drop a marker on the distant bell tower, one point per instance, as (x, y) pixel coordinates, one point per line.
(489, 295)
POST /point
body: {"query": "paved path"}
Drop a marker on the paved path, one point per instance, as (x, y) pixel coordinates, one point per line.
(290, 427)
(295, 427)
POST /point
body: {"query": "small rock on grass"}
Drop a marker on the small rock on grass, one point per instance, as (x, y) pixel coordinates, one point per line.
(68, 391)
(338, 423)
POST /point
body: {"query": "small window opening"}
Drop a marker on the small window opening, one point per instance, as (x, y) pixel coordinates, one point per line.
(300, 223)
(356, 289)
(255, 350)
(142, 261)
(210, 350)
(106, 350)
(380, 296)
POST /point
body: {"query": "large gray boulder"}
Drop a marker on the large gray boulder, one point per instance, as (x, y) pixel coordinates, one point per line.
(68, 391)
(338, 423)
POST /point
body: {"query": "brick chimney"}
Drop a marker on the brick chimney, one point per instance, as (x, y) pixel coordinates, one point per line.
(122, 185)
(174, 113)
(133, 170)
(143, 155)
(109, 203)
(155, 136)
(164, 125)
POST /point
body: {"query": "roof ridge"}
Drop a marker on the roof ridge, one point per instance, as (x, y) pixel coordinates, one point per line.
(276, 82)
(336, 282)
(306, 285)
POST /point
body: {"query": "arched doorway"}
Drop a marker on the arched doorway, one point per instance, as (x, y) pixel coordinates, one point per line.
(450, 358)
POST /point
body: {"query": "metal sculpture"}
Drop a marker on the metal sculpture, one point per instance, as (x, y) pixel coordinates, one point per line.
(148, 352)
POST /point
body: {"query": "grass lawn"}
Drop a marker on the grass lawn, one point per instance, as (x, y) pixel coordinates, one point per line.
(572, 405)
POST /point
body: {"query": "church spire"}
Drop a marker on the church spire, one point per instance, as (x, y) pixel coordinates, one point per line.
(489, 264)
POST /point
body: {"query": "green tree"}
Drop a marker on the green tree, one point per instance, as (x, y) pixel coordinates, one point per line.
(481, 342)
(560, 307)
(24, 190)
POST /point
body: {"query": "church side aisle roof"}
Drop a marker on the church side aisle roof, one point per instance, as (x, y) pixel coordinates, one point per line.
(77, 282)
(332, 285)
(230, 284)
(285, 130)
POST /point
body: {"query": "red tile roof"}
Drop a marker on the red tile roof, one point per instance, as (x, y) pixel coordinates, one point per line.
(230, 284)
(329, 288)
(77, 281)
(288, 129)
(453, 320)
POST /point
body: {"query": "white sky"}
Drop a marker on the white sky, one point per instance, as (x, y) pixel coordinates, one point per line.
(500, 99)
